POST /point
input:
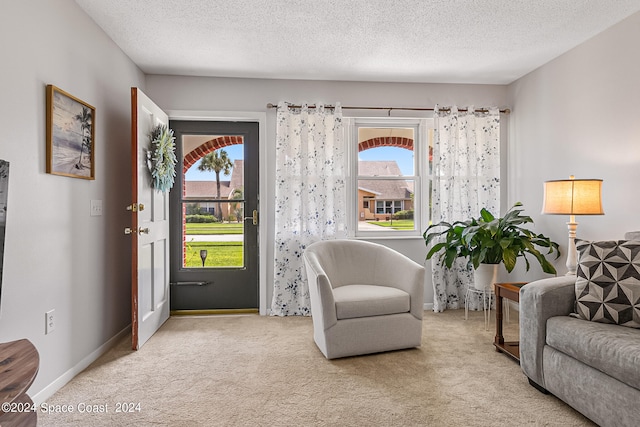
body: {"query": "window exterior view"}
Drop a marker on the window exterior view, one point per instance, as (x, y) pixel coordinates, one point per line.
(213, 203)
(380, 199)
(230, 189)
(394, 162)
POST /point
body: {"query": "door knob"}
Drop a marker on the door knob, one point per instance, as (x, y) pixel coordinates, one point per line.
(130, 230)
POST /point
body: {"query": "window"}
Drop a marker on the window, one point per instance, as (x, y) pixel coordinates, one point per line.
(212, 203)
(389, 206)
(392, 171)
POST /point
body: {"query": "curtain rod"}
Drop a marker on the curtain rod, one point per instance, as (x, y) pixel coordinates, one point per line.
(480, 110)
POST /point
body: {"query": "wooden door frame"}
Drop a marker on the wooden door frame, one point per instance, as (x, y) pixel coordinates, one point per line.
(261, 119)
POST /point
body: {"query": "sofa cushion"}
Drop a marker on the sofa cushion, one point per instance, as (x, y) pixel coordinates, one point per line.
(369, 300)
(608, 282)
(611, 349)
(632, 235)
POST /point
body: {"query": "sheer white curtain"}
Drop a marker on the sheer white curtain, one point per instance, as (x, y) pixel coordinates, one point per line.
(466, 178)
(310, 197)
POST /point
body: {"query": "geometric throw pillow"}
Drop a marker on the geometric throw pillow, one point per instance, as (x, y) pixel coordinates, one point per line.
(608, 282)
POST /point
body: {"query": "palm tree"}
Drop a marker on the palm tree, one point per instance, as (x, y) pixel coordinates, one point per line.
(85, 125)
(217, 162)
(236, 207)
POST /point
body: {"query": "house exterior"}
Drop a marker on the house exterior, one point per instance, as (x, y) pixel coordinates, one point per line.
(204, 194)
(378, 199)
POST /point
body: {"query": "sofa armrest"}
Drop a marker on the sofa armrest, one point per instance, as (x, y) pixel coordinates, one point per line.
(539, 301)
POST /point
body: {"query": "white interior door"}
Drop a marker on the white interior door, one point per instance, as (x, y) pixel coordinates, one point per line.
(150, 228)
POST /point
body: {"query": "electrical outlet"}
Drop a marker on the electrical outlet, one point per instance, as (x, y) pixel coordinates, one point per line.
(50, 321)
(96, 208)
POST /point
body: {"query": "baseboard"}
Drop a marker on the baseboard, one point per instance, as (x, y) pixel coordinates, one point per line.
(214, 312)
(63, 379)
(428, 306)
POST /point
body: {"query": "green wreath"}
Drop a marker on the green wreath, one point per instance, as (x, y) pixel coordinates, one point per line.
(161, 158)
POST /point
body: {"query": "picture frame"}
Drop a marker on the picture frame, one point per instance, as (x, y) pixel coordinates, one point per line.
(4, 188)
(70, 135)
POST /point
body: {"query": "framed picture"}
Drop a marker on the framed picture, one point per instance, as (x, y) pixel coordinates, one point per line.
(70, 135)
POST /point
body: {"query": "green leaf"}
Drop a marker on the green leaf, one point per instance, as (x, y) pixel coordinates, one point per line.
(435, 249)
(488, 239)
(486, 215)
(509, 258)
(450, 255)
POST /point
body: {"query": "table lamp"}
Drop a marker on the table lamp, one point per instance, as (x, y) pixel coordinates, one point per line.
(572, 197)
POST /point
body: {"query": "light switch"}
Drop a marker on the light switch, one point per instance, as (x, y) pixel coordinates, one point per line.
(96, 208)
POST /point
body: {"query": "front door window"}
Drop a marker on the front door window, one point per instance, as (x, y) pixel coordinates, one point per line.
(213, 205)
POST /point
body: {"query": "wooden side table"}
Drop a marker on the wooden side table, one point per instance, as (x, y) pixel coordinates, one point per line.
(510, 291)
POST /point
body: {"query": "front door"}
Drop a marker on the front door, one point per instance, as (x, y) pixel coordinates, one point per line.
(214, 223)
(149, 228)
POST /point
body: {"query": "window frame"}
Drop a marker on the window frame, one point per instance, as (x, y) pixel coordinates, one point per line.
(421, 178)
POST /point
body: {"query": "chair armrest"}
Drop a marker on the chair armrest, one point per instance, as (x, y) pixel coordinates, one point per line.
(323, 305)
(539, 301)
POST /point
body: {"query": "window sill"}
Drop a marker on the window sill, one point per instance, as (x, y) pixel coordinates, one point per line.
(388, 237)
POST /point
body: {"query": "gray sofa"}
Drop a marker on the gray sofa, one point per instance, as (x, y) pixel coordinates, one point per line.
(593, 367)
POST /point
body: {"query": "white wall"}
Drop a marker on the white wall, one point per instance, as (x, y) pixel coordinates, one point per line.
(57, 256)
(225, 94)
(580, 115)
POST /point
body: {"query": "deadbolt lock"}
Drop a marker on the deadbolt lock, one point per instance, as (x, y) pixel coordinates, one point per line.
(135, 207)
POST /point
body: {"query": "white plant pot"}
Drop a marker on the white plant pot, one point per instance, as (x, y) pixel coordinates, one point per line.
(485, 276)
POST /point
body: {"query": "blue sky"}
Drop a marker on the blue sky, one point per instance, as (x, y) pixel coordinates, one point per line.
(235, 152)
(403, 157)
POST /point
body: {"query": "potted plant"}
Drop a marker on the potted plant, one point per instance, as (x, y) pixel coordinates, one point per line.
(490, 240)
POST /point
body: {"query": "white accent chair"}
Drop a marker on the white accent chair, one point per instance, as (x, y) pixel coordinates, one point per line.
(365, 298)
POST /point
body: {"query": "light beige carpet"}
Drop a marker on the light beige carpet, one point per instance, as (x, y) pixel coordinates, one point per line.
(267, 371)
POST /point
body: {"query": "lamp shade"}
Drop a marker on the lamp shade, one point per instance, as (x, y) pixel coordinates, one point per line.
(573, 197)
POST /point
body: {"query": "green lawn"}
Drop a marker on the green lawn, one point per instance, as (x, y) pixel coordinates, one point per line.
(215, 228)
(396, 224)
(219, 254)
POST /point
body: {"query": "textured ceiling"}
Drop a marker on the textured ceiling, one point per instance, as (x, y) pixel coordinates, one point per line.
(436, 41)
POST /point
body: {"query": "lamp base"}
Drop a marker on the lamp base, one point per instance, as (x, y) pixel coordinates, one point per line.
(572, 252)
